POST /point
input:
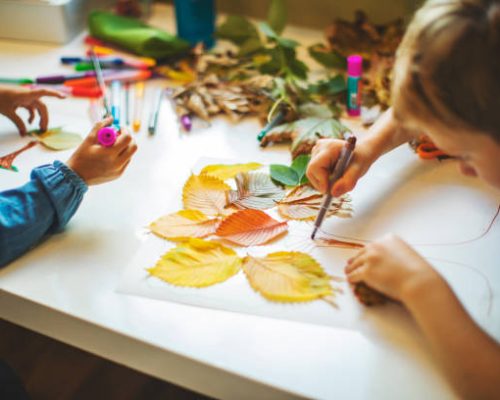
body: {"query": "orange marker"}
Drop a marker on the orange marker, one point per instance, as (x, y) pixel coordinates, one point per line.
(139, 97)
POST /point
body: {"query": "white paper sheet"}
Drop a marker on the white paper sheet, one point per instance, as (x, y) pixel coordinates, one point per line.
(430, 205)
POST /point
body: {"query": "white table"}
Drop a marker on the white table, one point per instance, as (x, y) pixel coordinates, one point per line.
(65, 288)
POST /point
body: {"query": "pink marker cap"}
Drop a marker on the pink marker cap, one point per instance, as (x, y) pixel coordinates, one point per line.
(354, 65)
(106, 136)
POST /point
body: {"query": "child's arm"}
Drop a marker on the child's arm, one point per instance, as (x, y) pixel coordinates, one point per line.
(385, 135)
(48, 201)
(470, 357)
(13, 98)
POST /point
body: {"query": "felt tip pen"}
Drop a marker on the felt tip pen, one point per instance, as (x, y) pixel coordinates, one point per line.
(91, 92)
(276, 120)
(126, 109)
(100, 82)
(116, 97)
(155, 112)
(86, 66)
(17, 81)
(338, 171)
(124, 76)
(139, 101)
(76, 60)
(56, 79)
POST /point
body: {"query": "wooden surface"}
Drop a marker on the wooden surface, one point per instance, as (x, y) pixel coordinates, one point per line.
(55, 371)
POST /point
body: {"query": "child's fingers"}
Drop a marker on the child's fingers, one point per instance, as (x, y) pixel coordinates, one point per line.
(347, 182)
(127, 153)
(357, 275)
(99, 125)
(319, 169)
(16, 119)
(356, 263)
(44, 114)
(122, 142)
(47, 92)
(31, 110)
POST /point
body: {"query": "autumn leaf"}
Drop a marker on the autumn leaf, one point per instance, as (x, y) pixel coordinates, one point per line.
(250, 228)
(57, 138)
(288, 277)
(206, 194)
(228, 171)
(183, 225)
(197, 263)
(256, 191)
(304, 203)
(304, 133)
(293, 175)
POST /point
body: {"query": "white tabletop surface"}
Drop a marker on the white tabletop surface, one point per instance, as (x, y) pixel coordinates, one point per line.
(66, 287)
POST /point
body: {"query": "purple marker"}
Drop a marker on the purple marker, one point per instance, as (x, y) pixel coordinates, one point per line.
(107, 136)
(56, 79)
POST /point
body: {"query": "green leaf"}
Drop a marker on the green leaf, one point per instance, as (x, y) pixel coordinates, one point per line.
(268, 31)
(299, 165)
(283, 174)
(315, 110)
(237, 29)
(277, 15)
(250, 46)
(330, 87)
(326, 57)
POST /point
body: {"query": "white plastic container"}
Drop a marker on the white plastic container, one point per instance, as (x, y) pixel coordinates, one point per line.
(55, 21)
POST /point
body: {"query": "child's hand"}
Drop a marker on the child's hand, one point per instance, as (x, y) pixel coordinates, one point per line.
(325, 154)
(392, 267)
(13, 98)
(97, 164)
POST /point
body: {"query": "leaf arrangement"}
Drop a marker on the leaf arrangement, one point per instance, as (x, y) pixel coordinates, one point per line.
(236, 216)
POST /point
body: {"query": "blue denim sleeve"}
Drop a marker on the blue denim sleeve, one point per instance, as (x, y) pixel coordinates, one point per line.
(43, 205)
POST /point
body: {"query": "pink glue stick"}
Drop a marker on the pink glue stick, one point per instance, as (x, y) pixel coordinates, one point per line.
(107, 136)
(354, 71)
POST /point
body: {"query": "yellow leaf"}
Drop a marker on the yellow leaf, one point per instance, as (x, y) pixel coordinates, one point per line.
(57, 139)
(205, 193)
(228, 171)
(183, 225)
(197, 263)
(288, 276)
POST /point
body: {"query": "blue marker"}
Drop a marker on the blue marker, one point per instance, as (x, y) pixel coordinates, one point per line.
(116, 97)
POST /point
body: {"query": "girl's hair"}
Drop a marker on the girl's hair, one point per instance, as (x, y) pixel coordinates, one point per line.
(448, 66)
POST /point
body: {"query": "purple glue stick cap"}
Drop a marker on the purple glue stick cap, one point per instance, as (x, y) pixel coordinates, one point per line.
(354, 65)
(106, 136)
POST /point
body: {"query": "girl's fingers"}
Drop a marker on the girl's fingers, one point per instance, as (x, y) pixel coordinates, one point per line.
(44, 114)
(31, 110)
(354, 264)
(99, 125)
(122, 143)
(127, 153)
(357, 276)
(21, 127)
(47, 92)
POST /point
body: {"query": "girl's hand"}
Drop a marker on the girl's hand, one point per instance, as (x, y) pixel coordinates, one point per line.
(17, 97)
(325, 154)
(96, 164)
(391, 267)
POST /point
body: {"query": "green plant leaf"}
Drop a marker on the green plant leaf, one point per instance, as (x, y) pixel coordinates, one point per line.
(293, 175)
(250, 46)
(277, 15)
(330, 87)
(299, 165)
(283, 174)
(326, 57)
(237, 29)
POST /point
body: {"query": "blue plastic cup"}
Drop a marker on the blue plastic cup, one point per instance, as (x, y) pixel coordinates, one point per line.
(196, 21)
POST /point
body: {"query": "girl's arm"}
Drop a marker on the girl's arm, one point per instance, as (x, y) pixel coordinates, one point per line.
(470, 358)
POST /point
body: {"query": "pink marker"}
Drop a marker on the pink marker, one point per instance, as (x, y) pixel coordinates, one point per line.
(107, 136)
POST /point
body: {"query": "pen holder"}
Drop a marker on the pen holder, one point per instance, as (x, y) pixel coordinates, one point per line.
(107, 136)
(196, 21)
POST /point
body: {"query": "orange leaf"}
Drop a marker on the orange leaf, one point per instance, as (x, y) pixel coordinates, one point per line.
(250, 228)
(184, 224)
